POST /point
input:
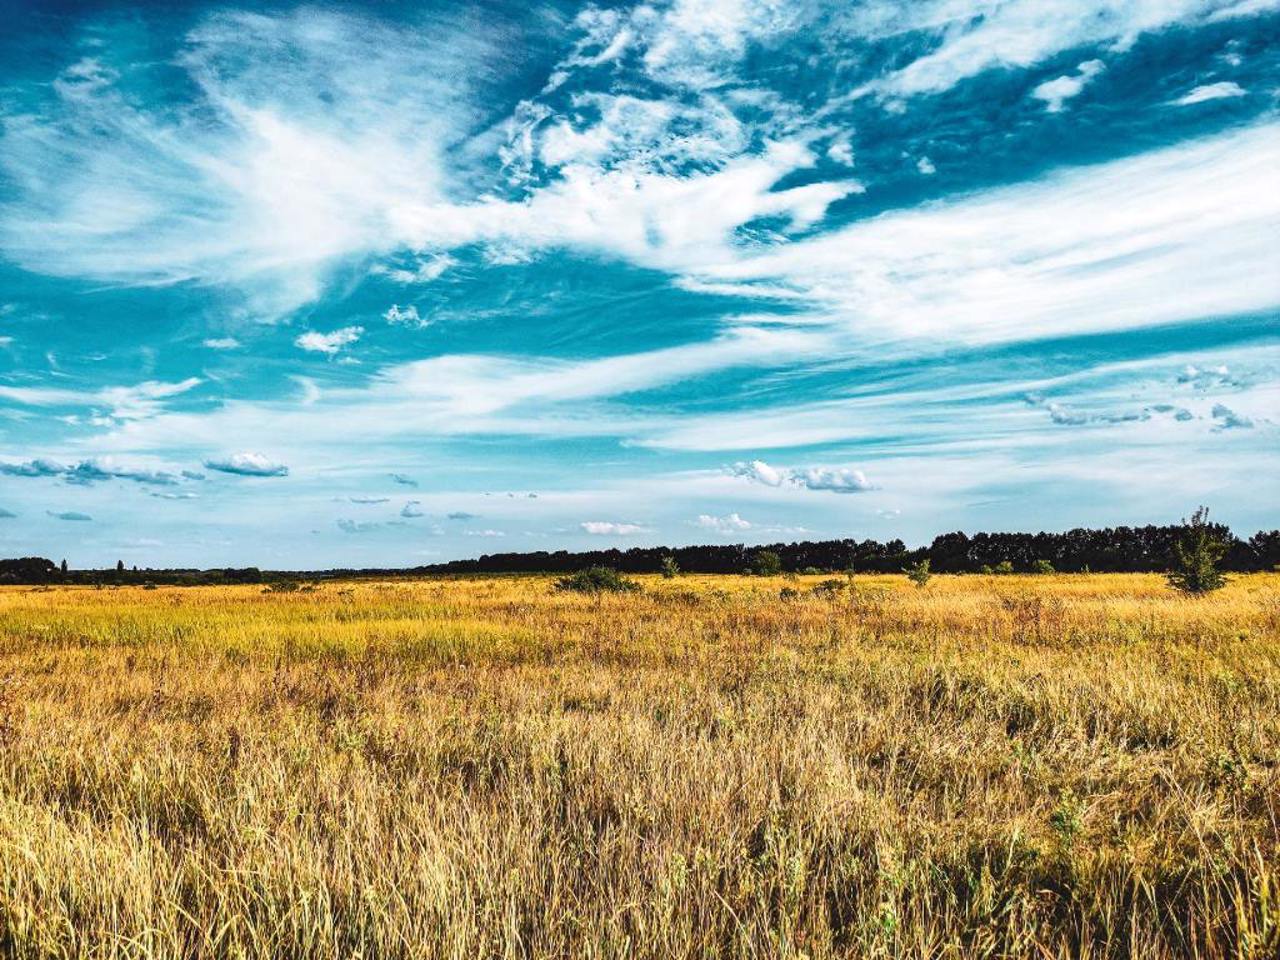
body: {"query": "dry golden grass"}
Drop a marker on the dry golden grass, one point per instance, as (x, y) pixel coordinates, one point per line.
(1017, 766)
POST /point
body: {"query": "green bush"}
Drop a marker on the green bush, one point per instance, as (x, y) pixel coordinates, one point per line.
(1042, 566)
(597, 580)
(669, 568)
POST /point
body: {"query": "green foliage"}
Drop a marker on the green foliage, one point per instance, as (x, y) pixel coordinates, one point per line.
(766, 563)
(1196, 556)
(597, 580)
(1066, 820)
(669, 568)
(1042, 566)
(918, 573)
(1003, 567)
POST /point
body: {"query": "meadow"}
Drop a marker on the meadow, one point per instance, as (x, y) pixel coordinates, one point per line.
(1015, 766)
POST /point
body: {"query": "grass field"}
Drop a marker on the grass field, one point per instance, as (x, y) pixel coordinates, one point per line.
(1054, 766)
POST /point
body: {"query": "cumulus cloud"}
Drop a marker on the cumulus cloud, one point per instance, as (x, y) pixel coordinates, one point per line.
(1223, 90)
(248, 465)
(830, 479)
(1055, 93)
(328, 343)
(222, 343)
(91, 471)
(926, 167)
(726, 525)
(73, 515)
(834, 479)
(94, 470)
(760, 472)
(33, 468)
(1228, 419)
(412, 509)
(610, 528)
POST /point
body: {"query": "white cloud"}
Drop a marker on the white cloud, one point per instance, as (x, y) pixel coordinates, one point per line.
(412, 509)
(978, 35)
(1228, 419)
(407, 317)
(222, 343)
(726, 526)
(834, 479)
(1057, 92)
(760, 472)
(926, 167)
(329, 343)
(1225, 89)
(426, 270)
(137, 402)
(831, 479)
(609, 528)
(841, 152)
(248, 465)
(1090, 249)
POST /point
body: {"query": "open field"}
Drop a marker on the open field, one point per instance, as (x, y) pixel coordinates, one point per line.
(1042, 767)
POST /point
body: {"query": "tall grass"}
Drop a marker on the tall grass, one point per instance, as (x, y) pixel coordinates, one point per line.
(1056, 766)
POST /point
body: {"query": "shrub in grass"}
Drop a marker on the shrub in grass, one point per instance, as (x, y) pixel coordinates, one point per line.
(597, 580)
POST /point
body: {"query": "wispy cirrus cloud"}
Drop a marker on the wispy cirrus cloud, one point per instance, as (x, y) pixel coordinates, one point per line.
(1222, 90)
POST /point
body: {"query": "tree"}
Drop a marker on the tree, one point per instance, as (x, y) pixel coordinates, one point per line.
(119, 566)
(64, 565)
(669, 568)
(918, 573)
(766, 563)
(1042, 566)
(1196, 555)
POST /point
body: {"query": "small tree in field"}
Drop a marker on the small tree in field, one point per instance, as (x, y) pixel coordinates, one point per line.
(1196, 555)
(669, 569)
(918, 573)
(766, 563)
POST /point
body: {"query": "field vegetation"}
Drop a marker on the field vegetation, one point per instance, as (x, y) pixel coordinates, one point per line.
(1044, 766)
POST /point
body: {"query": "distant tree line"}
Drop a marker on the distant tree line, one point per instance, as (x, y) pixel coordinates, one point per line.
(1110, 550)
(1149, 549)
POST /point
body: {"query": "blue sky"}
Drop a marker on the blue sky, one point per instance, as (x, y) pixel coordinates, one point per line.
(392, 283)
